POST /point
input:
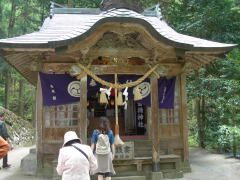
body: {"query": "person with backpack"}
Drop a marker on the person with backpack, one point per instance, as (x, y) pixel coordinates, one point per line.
(75, 160)
(102, 144)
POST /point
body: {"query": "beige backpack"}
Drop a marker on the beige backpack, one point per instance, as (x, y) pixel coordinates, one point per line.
(103, 145)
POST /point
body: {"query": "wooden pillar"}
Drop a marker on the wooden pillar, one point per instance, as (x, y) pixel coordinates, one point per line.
(184, 117)
(155, 126)
(149, 123)
(83, 109)
(39, 126)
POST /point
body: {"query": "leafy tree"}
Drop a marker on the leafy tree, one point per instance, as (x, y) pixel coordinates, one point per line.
(217, 85)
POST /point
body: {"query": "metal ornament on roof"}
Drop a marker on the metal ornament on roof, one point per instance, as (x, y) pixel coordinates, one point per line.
(119, 61)
(127, 4)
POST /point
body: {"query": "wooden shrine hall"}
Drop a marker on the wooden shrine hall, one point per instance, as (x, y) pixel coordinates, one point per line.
(120, 48)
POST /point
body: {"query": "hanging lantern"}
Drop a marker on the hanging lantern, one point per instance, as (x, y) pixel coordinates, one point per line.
(112, 102)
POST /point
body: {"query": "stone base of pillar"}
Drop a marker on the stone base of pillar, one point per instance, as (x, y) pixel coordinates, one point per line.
(156, 176)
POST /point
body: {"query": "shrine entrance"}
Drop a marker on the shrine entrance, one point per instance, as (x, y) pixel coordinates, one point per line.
(132, 121)
(122, 40)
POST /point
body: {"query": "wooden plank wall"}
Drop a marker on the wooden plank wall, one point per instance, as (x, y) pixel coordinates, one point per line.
(93, 124)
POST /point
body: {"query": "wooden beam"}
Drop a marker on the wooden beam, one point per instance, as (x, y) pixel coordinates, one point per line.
(149, 123)
(24, 63)
(184, 116)
(112, 69)
(174, 68)
(155, 124)
(39, 126)
(29, 49)
(39, 116)
(16, 57)
(119, 53)
(83, 110)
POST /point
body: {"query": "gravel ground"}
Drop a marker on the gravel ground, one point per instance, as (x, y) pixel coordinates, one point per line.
(211, 166)
(205, 166)
(14, 172)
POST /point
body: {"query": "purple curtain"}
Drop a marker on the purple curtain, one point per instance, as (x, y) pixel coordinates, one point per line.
(63, 89)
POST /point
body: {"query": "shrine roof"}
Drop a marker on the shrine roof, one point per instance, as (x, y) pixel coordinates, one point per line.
(67, 26)
(70, 25)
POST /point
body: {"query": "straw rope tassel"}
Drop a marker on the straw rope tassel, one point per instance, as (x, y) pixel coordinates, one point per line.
(119, 99)
(118, 141)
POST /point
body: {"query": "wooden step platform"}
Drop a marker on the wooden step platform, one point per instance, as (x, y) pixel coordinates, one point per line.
(130, 178)
(139, 167)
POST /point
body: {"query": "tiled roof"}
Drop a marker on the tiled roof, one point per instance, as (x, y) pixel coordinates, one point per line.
(65, 29)
(71, 25)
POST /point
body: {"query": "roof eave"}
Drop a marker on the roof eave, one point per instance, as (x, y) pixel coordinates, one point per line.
(89, 32)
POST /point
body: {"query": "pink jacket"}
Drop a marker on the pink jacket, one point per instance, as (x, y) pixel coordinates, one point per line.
(73, 165)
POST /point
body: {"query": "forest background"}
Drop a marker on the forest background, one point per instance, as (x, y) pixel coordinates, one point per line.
(213, 91)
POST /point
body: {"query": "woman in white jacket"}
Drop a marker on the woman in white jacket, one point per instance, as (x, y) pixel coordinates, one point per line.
(75, 160)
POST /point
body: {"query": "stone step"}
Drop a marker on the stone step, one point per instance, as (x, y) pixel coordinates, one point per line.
(185, 167)
(127, 175)
(130, 178)
(114, 178)
(29, 163)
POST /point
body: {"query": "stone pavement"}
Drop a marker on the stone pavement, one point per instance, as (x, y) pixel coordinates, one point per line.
(205, 166)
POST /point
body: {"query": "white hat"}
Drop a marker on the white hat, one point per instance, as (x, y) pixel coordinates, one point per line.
(69, 136)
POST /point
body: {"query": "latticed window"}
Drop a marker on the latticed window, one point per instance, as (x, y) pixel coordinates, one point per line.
(61, 115)
(172, 115)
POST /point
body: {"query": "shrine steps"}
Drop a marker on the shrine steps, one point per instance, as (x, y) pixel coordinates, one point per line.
(128, 175)
(170, 166)
(140, 168)
(142, 147)
(130, 178)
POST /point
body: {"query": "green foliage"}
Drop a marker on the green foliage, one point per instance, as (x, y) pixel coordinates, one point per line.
(217, 83)
(17, 18)
(192, 140)
(81, 4)
(148, 3)
(208, 19)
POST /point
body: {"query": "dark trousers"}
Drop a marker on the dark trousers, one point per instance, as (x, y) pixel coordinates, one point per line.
(5, 160)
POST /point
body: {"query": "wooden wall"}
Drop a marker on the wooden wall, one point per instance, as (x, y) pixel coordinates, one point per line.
(93, 124)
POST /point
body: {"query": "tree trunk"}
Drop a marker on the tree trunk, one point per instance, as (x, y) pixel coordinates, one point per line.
(234, 135)
(234, 145)
(12, 19)
(1, 11)
(199, 122)
(7, 89)
(21, 99)
(8, 73)
(70, 3)
(202, 121)
(34, 109)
